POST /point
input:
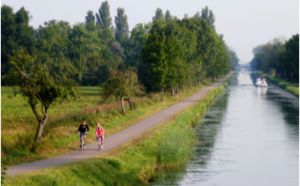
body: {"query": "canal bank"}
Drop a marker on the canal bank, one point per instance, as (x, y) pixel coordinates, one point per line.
(137, 164)
(250, 136)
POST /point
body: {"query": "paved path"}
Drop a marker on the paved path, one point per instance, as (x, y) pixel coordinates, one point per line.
(113, 140)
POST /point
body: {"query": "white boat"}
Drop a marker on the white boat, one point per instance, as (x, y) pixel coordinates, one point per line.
(261, 82)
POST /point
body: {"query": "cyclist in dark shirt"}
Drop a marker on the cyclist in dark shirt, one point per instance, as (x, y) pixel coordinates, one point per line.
(83, 129)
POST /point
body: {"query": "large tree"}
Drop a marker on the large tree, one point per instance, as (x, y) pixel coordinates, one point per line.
(122, 84)
(122, 28)
(158, 14)
(103, 16)
(84, 45)
(90, 21)
(289, 59)
(39, 86)
(162, 55)
(15, 32)
(208, 15)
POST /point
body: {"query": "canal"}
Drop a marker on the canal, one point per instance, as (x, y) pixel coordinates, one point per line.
(249, 136)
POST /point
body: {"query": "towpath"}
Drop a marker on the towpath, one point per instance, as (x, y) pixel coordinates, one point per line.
(113, 140)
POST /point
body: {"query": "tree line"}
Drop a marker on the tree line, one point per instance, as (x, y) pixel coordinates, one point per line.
(279, 58)
(87, 52)
(48, 63)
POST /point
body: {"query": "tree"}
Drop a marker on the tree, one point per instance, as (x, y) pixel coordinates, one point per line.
(289, 64)
(122, 84)
(52, 43)
(90, 21)
(103, 16)
(163, 54)
(158, 14)
(8, 43)
(138, 37)
(39, 86)
(122, 28)
(168, 16)
(84, 45)
(15, 32)
(208, 16)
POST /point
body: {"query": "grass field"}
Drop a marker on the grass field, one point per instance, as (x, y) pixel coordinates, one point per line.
(166, 146)
(18, 124)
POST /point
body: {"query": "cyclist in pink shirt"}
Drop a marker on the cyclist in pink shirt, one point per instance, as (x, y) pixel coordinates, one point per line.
(100, 133)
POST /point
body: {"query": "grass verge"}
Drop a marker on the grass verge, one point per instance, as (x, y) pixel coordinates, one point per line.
(166, 146)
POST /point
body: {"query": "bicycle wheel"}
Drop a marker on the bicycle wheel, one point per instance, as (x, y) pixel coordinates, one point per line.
(82, 143)
(99, 143)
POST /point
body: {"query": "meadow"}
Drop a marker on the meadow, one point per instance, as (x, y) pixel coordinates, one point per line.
(18, 123)
(137, 162)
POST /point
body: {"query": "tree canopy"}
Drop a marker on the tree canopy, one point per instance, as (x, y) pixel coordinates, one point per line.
(165, 53)
(279, 58)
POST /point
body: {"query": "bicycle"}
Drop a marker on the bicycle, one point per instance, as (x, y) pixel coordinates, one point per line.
(82, 144)
(99, 143)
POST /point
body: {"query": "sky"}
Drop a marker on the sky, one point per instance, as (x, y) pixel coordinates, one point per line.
(245, 24)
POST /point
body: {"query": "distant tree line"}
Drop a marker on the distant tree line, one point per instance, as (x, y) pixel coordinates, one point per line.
(279, 58)
(87, 52)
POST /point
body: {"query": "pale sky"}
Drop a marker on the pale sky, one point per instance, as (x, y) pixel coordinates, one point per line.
(245, 24)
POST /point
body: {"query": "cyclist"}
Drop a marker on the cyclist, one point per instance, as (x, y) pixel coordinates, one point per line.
(83, 129)
(100, 134)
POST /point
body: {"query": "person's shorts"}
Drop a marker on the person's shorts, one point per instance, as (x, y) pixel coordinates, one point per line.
(82, 134)
(97, 136)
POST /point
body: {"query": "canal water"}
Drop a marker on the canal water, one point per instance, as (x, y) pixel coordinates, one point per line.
(249, 137)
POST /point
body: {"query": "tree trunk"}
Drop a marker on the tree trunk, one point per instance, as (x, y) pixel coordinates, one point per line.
(42, 122)
(172, 91)
(130, 103)
(122, 104)
(162, 94)
(190, 85)
(177, 90)
(196, 83)
(39, 131)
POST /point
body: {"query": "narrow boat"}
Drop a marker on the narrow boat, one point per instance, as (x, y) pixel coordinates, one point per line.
(261, 82)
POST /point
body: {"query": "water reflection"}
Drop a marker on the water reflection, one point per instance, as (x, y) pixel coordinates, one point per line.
(250, 136)
(285, 101)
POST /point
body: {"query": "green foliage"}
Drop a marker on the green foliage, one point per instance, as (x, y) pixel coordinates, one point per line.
(38, 86)
(278, 58)
(178, 52)
(90, 21)
(158, 14)
(121, 84)
(208, 16)
(15, 33)
(103, 16)
(122, 28)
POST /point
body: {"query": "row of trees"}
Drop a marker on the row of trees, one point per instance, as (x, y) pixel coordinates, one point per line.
(166, 54)
(179, 52)
(279, 58)
(87, 51)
